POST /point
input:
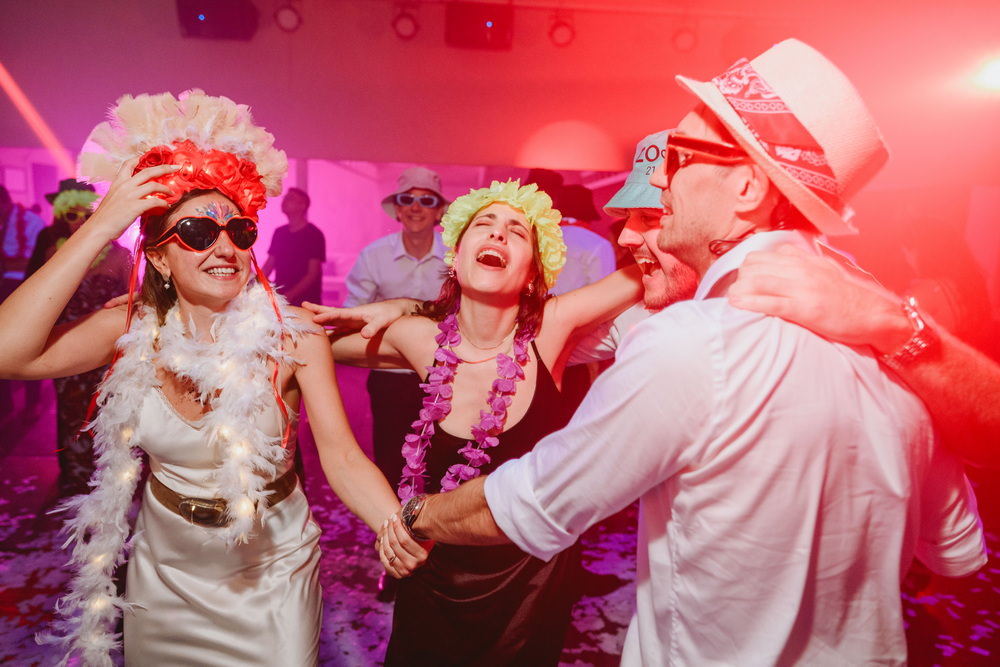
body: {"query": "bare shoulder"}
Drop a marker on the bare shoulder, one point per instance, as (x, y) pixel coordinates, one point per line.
(555, 321)
(415, 324)
(312, 344)
(413, 336)
(303, 319)
(108, 323)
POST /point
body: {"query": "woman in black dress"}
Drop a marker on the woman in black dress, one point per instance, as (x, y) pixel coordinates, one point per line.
(491, 351)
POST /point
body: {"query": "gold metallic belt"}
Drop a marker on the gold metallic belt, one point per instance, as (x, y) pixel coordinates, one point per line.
(212, 511)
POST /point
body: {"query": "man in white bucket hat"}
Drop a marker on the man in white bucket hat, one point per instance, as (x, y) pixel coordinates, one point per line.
(665, 280)
(784, 480)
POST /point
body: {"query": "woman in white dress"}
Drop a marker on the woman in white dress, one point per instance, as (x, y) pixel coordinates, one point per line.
(223, 562)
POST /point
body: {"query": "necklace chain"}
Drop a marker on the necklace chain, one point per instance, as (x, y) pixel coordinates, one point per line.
(500, 342)
(437, 405)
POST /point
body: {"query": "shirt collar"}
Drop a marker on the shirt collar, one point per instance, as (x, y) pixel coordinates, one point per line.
(760, 241)
(399, 250)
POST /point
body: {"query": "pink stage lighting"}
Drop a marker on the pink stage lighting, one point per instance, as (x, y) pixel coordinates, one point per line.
(36, 122)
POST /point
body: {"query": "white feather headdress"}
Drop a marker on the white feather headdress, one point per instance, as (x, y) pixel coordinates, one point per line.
(137, 124)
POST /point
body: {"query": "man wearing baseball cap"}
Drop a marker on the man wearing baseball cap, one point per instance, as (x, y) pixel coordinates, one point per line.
(785, 481)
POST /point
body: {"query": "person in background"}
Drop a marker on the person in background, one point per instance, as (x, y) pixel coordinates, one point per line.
(407, 263)
(296, 257)
(19, 229)
(589, 256)
(637, 210)
(773, 530)
(107, 277)
(297, 252)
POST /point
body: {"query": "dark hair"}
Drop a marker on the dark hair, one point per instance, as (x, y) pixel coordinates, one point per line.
(785, 215)
(302, 193)
(153, 291)
(531, 307)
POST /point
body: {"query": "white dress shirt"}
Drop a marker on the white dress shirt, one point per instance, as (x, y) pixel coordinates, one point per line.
(605, 339)
(384, 270)
(589, 257)
(786, 482)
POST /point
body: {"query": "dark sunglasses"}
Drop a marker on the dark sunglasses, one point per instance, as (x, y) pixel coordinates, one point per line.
(73, 216)
(199, 234)
(427, 201)
(682, 150)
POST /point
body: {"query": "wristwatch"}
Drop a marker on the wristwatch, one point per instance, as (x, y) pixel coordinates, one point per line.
(923, 340)
(410, 512)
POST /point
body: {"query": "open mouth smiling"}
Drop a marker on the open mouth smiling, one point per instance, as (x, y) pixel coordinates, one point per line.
(221, 271)
(647, 265)
(492, 258)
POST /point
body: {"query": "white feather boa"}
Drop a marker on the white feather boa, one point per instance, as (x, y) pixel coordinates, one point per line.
(233, 375)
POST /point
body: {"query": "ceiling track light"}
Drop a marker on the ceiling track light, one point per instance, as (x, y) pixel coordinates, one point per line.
(684, 39)
(562, 33)
(405, 23)
(288, 18)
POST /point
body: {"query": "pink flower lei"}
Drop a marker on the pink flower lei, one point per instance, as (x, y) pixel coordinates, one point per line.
(437, 405)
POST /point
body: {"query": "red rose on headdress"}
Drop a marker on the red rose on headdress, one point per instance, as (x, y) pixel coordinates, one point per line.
(234, 177)
(248, 170)
(223, 168)
(155, 157)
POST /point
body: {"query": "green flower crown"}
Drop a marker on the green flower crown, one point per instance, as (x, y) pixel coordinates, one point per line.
(69, 199)
(537, 208)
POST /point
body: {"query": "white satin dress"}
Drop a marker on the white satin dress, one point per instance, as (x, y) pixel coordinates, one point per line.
(198, 602)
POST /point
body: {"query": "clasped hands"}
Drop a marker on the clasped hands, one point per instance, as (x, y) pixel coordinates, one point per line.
(399, 553)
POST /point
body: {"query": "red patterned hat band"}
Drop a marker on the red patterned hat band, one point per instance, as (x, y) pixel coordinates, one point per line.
(211, 169)
(779, 132)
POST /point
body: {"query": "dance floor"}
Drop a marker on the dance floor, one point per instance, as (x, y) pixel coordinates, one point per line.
(949, 622)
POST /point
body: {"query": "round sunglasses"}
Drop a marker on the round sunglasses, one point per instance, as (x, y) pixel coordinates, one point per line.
(201, 233)
(427, 201)
(73, 215)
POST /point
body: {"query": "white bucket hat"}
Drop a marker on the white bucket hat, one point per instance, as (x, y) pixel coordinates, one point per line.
(637, 192)
(803, 122)
(413, 177)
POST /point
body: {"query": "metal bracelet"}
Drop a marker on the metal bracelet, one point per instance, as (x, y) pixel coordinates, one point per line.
(410, 512)
(923, 339)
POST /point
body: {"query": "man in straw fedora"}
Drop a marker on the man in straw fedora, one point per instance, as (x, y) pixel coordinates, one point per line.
(786, 482)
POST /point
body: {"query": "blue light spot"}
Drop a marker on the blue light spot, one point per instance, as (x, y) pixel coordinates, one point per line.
(489, 24)
(201, 17)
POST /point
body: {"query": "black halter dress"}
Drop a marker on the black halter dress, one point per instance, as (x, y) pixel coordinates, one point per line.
(492, 605)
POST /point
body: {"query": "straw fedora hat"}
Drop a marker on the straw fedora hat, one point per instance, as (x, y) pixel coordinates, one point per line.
(826, 104)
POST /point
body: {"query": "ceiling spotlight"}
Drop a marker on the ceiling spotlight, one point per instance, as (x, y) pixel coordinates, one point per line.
(405, 23)
(988, 77)
(562, 32)
(685, 39)
(288, 18)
